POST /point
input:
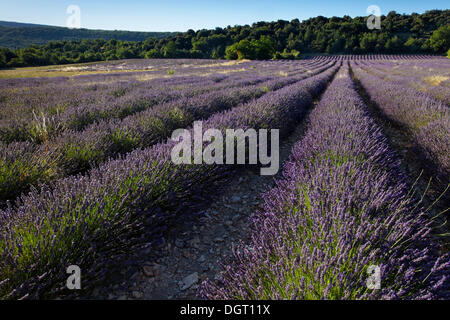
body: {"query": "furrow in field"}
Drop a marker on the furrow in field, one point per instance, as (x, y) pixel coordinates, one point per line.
(341, 209)
(431, 191)
(427, 120)
(75, 107)
(91, 220)
(195, 249)
(433, 80)
(76, 152)
(46, 112)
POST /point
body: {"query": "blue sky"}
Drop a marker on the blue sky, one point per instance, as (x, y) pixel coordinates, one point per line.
(177, 15)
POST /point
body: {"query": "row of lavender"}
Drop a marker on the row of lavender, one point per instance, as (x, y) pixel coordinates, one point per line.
(96, 75)
(25, 164)
(253, 67)
(431, 77)
(34, 113)
(127, 69)
(78, 106)
(426, 119)
(377, 57)
(143, 64)
(94, 219)
(341, 211)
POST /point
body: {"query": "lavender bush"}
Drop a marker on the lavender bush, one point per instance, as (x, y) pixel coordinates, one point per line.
(77, 151)
(94, 220)
(431, 76)
(426, 119)
(341, 206)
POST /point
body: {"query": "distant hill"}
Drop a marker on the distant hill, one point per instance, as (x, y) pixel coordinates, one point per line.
(20, 24)
(16, 35)
(426, 33)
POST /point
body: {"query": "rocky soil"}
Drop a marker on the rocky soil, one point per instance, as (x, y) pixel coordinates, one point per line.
(194, 250)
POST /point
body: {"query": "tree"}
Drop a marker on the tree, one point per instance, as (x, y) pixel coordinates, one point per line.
(264, 48)
(287, 55)
(440, 39)
(217, 53)
(231, 52)
(337, 46)
(241, 50)
(29, 57)
(125, 53)
(2, 60)
(153, 53)
(6, 55)
(200, 45)
(263, 40)
(368, 42)
(394, 45)
(170, 50)
(413, 44)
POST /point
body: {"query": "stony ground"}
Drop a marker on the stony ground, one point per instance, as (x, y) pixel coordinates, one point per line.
(195, 250)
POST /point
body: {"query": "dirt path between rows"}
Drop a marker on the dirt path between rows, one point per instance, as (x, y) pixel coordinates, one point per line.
(195, 250)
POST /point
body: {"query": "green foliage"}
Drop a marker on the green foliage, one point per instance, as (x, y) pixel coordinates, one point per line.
(17, 176)
(77, 157)
(394, 45)
(368, 42)
(153, 54)
(123, 141)
(425, 33)
(292, 55)
(241, 49)
(125, 53)
(170, 50)
(231, 52)
(440, 39)
(263, 48)
(413, 45)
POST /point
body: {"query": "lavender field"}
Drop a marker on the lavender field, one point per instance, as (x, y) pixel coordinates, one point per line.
(87, 179)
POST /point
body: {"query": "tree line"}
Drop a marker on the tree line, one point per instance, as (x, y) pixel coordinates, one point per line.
(18, 35)
(400, 33)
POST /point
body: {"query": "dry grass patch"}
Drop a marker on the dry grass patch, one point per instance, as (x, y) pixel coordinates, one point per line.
(435, 80)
